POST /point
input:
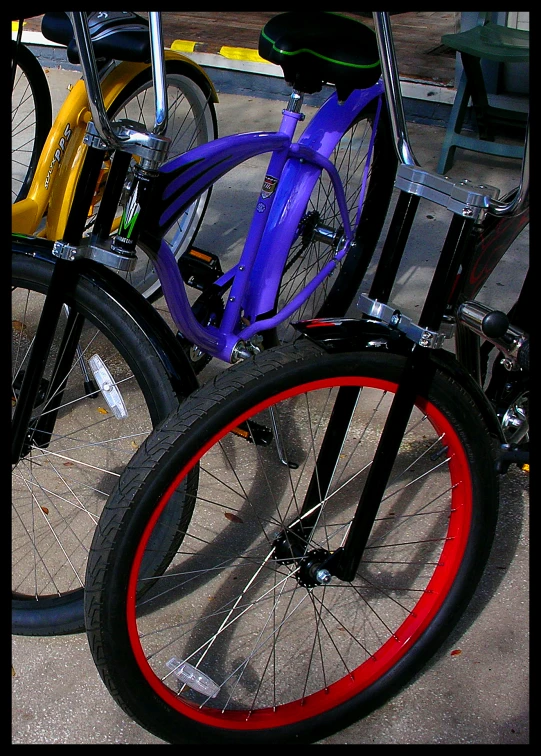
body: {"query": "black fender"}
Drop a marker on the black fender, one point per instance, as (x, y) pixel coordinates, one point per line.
(356, 335)
(146, 317)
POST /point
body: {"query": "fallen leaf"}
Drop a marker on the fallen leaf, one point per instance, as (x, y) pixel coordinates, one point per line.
(456, 652)
(102, 411)
(232, 517)
(44, 510)
(18, 326)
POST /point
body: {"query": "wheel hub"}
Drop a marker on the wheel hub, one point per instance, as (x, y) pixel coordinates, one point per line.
(290, 548)
(314, 231)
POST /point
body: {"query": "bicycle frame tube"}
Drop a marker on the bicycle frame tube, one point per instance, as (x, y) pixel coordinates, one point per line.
(55, 181)
(311, 154)
(26, 214)
(62, 156)
(295, 168)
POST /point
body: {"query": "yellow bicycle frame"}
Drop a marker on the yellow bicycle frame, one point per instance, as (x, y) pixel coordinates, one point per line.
(61, 160)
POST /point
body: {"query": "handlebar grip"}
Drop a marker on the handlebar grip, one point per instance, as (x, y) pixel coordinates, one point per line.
(495, 324)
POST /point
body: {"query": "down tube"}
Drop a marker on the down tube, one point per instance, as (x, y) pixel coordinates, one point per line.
(322, 134)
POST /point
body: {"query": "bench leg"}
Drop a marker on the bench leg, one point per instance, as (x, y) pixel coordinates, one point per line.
(474, 74)
(454, 127)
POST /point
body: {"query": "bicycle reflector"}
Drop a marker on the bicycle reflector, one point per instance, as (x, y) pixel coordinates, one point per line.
(108, 387)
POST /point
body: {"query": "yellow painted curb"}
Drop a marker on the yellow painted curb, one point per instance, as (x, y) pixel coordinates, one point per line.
(242, 53)
(232, 53)
(182, 45)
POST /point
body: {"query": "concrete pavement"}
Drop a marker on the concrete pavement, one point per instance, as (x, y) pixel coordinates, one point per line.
(477, 696)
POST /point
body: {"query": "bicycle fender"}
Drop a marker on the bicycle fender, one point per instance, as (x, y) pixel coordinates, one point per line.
(354, 335)
(172, 54)
(143, 314)
(124, 72)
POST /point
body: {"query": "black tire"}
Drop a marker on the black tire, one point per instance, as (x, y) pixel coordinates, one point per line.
(290, 656)
(31, 118)
(192, 122)
(311, 251)
(60, 484)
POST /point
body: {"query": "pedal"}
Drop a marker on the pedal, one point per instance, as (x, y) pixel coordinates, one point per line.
(255, 433)
(199, 269)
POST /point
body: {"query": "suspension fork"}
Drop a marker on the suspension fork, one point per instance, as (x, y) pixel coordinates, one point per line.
(348, 396)
(394, 245)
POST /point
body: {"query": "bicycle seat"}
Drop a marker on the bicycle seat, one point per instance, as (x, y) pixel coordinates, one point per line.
(321, 47)
(116, 35)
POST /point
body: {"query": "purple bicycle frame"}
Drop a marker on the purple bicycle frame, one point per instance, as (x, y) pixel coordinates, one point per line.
(294, 169)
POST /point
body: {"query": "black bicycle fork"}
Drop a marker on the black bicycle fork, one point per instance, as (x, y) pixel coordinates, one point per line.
(416, 377)
(61, 288)
(24, 433)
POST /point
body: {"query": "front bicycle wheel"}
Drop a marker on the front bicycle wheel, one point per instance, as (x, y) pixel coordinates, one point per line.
(248, 638)
(65, 472)
(31, 118)
(192, 122)
(367, 178)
